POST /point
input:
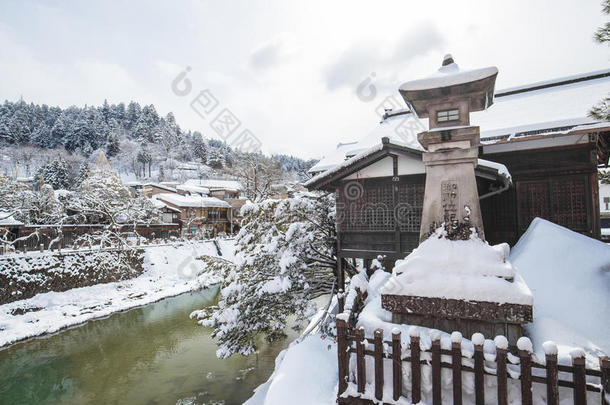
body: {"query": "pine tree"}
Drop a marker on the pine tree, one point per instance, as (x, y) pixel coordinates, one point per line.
(286, 251)
(601, 111)
(113, 146)
(214, 158)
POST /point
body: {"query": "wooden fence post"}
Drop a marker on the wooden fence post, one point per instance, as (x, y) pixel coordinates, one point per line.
(456, 366)
(552, 376)
(342, 354)
(501, 349)
(479, 371)
(415, 366)
(396, 365)
(360, 363)
(604, 366)
(436, 368)
(525, 354)
(579, 377)
(379, 364)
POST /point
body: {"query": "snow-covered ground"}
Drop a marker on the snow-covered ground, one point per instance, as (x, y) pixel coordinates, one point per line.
(568, 273)
(168, 270)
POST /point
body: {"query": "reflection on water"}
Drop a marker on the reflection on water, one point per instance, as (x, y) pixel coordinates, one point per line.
(149, 355)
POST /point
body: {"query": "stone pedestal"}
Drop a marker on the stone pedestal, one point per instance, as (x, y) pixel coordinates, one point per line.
(451, 194)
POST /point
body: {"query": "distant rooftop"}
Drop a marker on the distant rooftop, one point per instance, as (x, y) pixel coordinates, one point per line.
(193, 201)
(216, 184)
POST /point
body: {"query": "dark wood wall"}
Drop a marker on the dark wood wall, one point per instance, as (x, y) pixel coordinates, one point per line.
(558, 184)
(379, 216)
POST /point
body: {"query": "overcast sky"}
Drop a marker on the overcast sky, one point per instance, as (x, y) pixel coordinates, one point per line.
(288, 70)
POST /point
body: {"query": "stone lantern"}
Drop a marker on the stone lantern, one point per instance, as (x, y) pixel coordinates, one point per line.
(446, 99)
(454, 280)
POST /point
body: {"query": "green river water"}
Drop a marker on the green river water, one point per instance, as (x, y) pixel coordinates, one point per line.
(149, 355)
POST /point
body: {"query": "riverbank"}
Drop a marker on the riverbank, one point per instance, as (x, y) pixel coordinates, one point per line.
(169, 270)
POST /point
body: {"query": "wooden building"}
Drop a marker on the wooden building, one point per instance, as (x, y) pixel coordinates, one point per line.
(199, 214)
(540, 133)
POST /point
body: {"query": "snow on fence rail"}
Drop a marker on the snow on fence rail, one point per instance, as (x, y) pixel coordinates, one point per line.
(351, 341)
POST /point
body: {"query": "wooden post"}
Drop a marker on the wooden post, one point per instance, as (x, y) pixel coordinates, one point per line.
(479, 371)
(436, 369)
(502, 376)
(579, 377)
(41, 247)
(525, 355)
(396, 365)
(552, 376)
(379, 364)
(456, 366)
(604, 366)
(415, 367)
(340, 283)
(342, 354)
(360, 363)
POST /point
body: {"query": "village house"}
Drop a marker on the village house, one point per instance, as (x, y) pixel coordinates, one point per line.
(199, 214)
(538, 157)
(226, 190)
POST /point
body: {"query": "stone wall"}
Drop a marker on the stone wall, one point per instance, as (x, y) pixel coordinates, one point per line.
(25, 275)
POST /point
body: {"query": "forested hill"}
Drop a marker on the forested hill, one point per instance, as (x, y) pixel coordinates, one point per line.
(134, 134)
(86, 129)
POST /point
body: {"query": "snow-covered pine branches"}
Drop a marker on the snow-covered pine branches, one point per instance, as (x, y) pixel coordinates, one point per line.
(284, 259)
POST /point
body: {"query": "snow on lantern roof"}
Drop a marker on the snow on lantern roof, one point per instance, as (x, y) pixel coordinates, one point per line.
(192, 201)
(449, 74)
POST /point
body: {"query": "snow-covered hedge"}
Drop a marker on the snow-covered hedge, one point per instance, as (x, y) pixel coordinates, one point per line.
(23, 276)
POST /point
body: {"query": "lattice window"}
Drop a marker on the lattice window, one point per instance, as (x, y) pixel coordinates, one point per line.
(533, 202)
(570, 202)
(410, 206)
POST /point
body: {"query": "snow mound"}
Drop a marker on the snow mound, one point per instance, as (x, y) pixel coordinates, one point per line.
(569, 274)
(463, 269)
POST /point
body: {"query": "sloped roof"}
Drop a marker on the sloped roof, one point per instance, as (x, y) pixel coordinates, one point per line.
(549, 107)
(214, 184)
(381, 150)
(193, 189)
(193, 201)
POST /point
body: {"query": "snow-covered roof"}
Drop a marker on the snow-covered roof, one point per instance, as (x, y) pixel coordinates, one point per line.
(333, 158)
(161, 205)
(405, 147)
(161, 186)
(214, 184)
(545, 107)
(7, 219)
(193, 189)
(449, 75)
(194, 201)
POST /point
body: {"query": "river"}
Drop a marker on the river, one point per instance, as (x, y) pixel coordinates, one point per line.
(149, 355)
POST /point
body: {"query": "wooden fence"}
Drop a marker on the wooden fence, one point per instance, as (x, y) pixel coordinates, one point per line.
(352, 341)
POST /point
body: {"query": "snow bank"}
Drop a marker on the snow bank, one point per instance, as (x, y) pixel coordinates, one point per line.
(462, 269)
(168, 270)
(569, 275)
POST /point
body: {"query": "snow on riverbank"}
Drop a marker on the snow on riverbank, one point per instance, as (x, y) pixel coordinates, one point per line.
(169, 270)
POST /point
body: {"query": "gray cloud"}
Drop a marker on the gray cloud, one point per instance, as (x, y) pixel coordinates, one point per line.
(360, 60)
(267, 55)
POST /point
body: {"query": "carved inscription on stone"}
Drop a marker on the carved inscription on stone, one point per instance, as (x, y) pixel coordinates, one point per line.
(450, 200)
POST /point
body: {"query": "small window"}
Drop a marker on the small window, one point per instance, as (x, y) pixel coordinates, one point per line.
(607, 202)
(447, 115)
